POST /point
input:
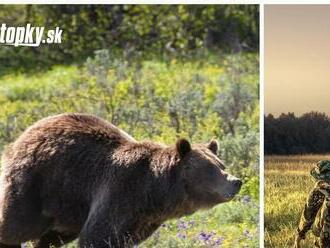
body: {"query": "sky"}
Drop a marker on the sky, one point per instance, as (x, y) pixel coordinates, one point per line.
(297, 58)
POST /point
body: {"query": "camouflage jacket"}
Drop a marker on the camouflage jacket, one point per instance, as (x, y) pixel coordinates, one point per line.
(316, 214)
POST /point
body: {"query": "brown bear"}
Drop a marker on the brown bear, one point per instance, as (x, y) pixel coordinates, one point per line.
(77, 176)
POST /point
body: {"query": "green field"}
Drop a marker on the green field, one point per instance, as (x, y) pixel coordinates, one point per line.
(288, 183)
(160, 100)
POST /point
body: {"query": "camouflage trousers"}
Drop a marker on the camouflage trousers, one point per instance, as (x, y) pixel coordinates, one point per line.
(321, 227)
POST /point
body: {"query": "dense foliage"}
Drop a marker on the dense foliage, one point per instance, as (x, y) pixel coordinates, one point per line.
(289, 134)
(213, 97)
(136, 30)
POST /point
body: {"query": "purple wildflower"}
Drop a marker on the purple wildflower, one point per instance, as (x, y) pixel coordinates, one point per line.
(219, 241)
(182, 225)
(181, 236)
(191, 223)
(205, 236)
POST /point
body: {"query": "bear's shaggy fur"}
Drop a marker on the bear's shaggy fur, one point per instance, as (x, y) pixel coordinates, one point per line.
(77, 176)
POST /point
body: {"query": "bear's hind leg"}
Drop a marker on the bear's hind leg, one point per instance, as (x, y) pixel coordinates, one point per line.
(20, 226)
(53, 239)
(21, 212)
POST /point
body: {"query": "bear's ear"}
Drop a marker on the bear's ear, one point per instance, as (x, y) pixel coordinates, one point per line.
(183, 147)
(213, 146)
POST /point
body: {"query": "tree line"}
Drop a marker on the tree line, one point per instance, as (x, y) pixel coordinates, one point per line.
(289, 134)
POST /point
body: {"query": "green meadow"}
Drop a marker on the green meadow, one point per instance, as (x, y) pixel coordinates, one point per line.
(161, 100)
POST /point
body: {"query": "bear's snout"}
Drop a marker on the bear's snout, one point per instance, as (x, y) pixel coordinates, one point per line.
(233, 187)
(237, 184)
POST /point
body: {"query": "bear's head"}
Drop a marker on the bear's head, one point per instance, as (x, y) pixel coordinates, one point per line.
(206, 181)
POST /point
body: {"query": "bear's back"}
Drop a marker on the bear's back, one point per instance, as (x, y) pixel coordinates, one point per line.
(76, 123)
(64, 137)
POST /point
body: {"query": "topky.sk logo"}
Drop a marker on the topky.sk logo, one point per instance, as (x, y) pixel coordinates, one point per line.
(29, 35)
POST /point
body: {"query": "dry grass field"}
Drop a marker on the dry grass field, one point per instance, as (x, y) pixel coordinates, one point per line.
(288, 183)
